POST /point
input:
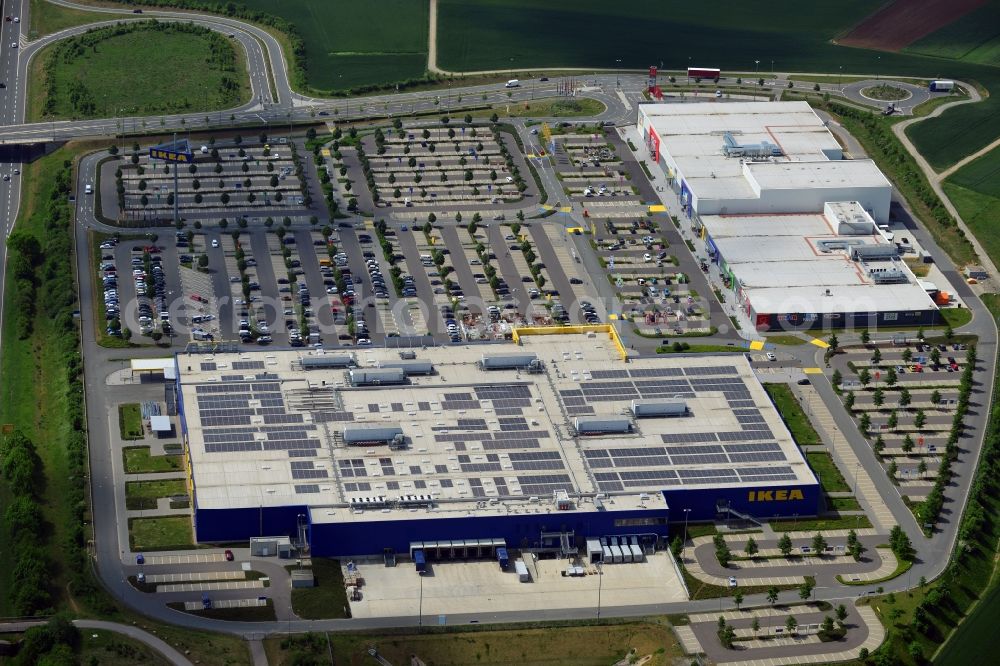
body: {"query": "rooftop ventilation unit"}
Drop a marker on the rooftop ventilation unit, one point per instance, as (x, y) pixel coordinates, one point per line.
(647, 408)
(410, 367)
(328, 361)
(880, 251)
(377, 376)
(891, 275)
(764, 149)
(363, 434)
(602, 425)
(507, 361)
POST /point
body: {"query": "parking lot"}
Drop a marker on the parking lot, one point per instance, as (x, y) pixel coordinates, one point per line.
(903, 397)
(244, 178)
(653, 292)
(441, 165)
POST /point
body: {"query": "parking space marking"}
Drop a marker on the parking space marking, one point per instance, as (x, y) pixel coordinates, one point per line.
(211, 587)
(194, 558)
(194, 576)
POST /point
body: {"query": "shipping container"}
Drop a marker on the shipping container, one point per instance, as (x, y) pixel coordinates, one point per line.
(503, 558)
(419, 561)
(593, 425)
(637, 555)
(659, 407)
(616, 554)
(522, 571)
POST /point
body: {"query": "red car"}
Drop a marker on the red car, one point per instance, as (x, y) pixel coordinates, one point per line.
(229, 555)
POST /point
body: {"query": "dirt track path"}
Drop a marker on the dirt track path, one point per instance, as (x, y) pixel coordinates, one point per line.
(432, 39)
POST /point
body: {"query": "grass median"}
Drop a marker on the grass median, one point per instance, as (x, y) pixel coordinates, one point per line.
(162, 533)
(143, 495)
(138, 460)
(792, 414)
(130, 421)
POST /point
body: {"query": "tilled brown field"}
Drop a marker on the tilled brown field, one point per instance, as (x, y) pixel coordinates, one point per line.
(903, 22)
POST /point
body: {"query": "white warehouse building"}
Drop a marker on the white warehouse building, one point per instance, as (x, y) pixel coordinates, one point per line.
(757, 158)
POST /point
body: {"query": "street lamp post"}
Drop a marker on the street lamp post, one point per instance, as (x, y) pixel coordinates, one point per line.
(855, 484)
(684, 543)
(618, 78)
(600, 583)
(420, 608)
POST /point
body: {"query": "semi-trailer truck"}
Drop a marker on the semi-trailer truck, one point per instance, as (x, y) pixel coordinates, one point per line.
(699, 73)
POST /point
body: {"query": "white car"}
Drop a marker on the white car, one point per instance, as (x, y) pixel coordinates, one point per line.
(215, 242)
(771, 357)
(732, 581)
(13, 45)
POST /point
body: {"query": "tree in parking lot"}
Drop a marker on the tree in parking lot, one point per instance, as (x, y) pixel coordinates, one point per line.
(865, 377)
(805, 590)
(238, 139)
(274, 181)
(907, 355)
(907, 443)
(920, 419)
(751, 547)
(218, 168)
(135, 158)
(935, 397)
(202, 260)
(893, 421)
(396, 193)
(785, 545)
(904, 397)
(197, 225)
(877, 356)
(251, 197)
(144, 200)
(192, 168)
(245, 168)
(878, 397)
(287, 221)
(891, 378)
(738, 599)
(278, 196)
(143, 185)
(247, 182)
(196, 184)
(495, 117)
(865, 423)
(866, 337)
(223, 223)
(772, 595)
(224, 198)
(818, 543)
(241, 222)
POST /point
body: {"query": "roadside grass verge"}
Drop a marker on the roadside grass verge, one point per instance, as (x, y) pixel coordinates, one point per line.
(328, 599)
(162, 533)
(47, 18)
(821, 524)
(792, 414)
(957, 317)
(572, 642)
(130, 421)
(785, 339)
(550, 108)
(138, 460)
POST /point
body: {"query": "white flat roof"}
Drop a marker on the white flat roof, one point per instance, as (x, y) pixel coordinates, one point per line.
(783, 264)
(264, 432)
(692, 135)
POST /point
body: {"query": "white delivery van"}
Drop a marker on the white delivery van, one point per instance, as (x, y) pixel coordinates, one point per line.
(513, 83)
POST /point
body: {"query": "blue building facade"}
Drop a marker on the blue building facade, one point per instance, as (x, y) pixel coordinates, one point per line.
(762, 502)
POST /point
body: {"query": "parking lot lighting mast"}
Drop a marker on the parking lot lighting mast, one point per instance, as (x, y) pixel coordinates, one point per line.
(177, 196)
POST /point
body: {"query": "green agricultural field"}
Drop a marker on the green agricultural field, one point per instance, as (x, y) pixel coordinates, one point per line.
(975, 191)
(172, 68)
(508, 34)
(974, 37)
(351, 44)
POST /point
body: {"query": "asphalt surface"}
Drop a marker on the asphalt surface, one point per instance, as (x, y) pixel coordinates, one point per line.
(112, 555)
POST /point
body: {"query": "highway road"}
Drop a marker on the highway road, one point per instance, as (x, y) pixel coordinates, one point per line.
(280, 106)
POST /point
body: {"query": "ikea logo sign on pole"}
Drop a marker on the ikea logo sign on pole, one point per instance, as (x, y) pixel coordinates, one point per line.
(170, 155)
(175, 151)
(775, 495)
